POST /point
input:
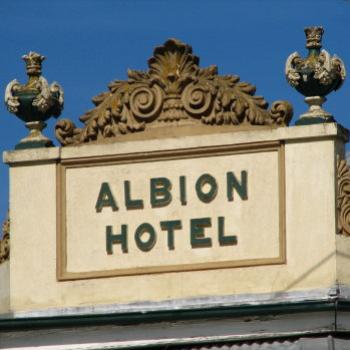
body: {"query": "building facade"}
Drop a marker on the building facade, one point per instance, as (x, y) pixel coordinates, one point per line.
(182, 214)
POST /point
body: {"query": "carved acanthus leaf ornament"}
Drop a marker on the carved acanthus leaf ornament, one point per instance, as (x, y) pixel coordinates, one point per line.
(343, 199)
(174, 90)
(5, 241)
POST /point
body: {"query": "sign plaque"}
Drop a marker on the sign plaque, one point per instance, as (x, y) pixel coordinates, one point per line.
(169, 211)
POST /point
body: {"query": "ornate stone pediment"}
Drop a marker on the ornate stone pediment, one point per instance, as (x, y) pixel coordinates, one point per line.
(174, 91)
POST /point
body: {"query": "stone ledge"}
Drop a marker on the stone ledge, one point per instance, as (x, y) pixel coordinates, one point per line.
(32, 155)
(289, 134)
(190, 304)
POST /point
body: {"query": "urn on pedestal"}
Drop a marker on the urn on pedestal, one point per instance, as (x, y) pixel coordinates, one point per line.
(315, 76)
(35, 102)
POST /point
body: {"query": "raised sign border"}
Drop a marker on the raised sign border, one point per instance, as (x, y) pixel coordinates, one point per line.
(139, 157)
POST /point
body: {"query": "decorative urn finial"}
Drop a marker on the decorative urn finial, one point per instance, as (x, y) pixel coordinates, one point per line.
(35, 102)
(315, 76)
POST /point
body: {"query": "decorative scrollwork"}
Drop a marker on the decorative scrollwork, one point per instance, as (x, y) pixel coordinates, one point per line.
(343, 198)
(12, 101)
(197, 99)
(146, 102)
(279, 110)
(5, 241)
(174, 89)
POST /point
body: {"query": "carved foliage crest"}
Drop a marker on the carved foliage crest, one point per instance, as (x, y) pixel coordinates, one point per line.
(174, 89)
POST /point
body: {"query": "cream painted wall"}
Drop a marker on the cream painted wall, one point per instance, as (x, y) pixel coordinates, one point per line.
(310, 227)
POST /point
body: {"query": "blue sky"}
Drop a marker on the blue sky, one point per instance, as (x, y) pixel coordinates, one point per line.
(89, 43)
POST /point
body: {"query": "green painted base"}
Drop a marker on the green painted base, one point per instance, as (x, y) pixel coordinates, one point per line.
(34, 144)
(314, 120)
(137, 317)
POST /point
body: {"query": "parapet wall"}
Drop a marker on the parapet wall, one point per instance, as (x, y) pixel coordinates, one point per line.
(277, 232)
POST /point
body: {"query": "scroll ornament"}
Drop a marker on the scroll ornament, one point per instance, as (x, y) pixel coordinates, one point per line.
(174, 90)
(343, 199)
(5, 241)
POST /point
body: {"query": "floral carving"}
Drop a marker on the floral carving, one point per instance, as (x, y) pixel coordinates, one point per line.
(343, 199)
(5, 241)
(174, 90)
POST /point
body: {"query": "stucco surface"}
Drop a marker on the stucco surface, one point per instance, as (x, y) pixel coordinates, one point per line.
(5, 287)
(310, 225)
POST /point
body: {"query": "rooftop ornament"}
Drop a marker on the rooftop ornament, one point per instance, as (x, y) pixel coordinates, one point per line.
(315, 76)
(174, 92)
(35, 102)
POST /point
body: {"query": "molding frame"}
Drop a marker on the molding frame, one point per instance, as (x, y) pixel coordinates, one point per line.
(138, 157)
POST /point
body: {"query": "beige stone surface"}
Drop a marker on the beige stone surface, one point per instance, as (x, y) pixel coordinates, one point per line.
(257, 239)
(207, 139)
(343, 258)
(211, 137)
(32, 155)
(310, 226)
(5, 287)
